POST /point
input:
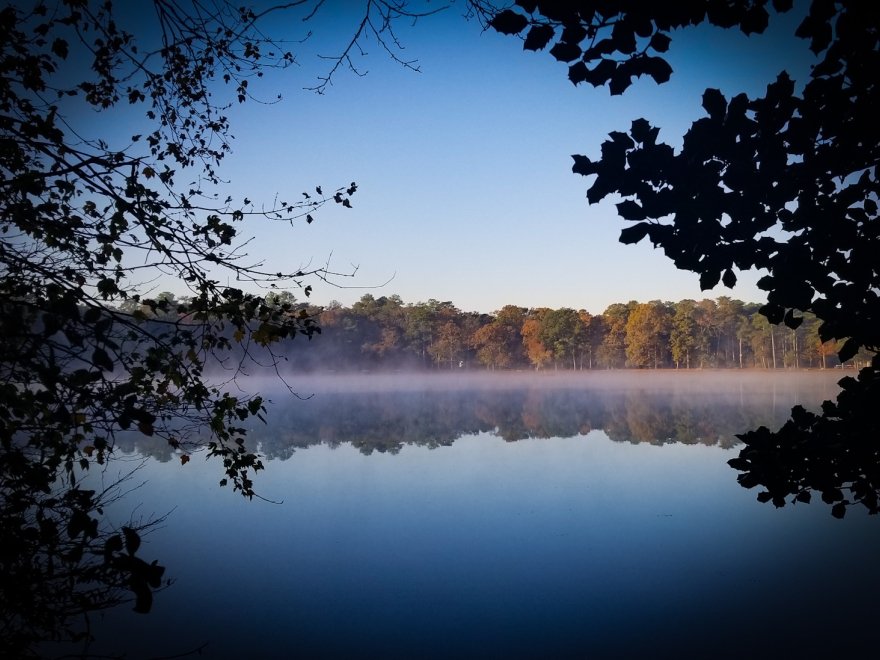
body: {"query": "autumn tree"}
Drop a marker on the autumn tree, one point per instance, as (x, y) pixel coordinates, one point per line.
(532, 332)
(448, 345)
(612, 351)
(382, 326)
(490, 342)
(785, 181)
(647, 335)
(499, 343)
(512, 317)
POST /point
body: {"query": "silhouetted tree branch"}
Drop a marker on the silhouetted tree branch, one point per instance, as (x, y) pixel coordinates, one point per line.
(89, 219)
(801, 159)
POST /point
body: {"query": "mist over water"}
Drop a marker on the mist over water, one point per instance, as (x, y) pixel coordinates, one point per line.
(759, 382)
(384, 412)
(506, 515)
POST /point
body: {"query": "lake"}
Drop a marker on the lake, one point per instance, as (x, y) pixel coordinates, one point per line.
(517, 516)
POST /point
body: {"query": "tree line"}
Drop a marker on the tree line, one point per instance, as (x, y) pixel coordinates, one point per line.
(377, 333)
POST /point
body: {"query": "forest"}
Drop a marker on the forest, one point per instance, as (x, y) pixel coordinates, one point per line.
(386, 333)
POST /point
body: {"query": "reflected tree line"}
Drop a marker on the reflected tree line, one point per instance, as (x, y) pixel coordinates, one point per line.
(383, 422)
(387, 333)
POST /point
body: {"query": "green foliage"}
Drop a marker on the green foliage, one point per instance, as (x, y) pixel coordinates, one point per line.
(682, 335)
(563, 332)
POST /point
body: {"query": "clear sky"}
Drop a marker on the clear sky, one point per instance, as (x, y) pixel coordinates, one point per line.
(465, 191)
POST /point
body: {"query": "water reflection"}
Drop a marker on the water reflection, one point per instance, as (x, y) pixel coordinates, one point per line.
(522, 540)
(384, 413)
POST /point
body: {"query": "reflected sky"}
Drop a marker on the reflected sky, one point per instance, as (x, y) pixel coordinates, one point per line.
(382, 413)
(543, 547)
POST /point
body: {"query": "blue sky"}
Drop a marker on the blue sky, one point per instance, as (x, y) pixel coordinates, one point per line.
(464, 170)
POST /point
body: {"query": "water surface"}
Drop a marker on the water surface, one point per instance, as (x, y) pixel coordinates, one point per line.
(535, 518)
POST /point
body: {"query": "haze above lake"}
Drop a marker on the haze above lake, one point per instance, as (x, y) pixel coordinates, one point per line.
(529, 515)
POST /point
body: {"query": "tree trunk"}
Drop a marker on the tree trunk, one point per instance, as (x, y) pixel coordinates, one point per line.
(773, 346)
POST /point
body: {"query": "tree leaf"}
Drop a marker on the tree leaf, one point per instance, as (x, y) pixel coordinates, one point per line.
(741, 464)
(849, 349)
(630, 210)
(634, 234)
(102, 360)
(60, 48)
(577, 73)
(111, 546)
(565, 52)
(791, 320)
(583, 165)
(154, 574)
(132, 540)
(714, 103)
(755, 21)
(709, 279)
(620, 81)
(641, 131)
(601, 73)
(773, 312)
(509, 22)
(538, 37)
(660, 42)
(623, 36)
(658, 68)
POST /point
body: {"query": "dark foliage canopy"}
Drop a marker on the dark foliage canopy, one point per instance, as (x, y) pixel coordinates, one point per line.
(87, 222)
(786, 182)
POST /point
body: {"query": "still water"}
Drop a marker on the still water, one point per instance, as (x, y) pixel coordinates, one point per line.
(538, 517)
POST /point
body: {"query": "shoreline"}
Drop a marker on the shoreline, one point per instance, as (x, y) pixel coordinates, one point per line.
(689, 379)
